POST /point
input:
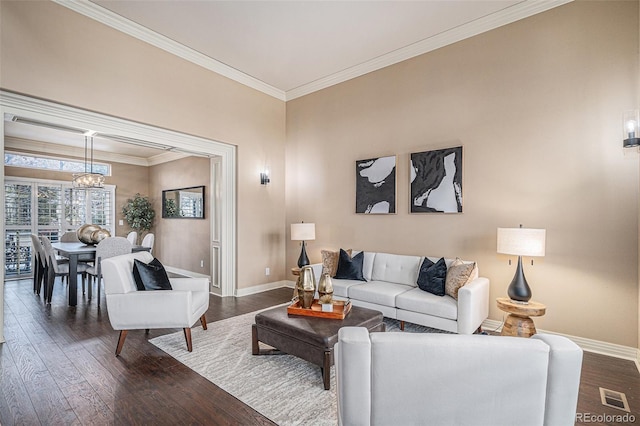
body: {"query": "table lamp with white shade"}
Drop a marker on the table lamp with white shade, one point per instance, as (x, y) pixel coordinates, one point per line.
(303, 232)
(521, 242)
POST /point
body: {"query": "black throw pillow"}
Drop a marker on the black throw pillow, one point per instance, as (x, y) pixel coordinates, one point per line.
(432, 276)
(150, 276)
(350, 268)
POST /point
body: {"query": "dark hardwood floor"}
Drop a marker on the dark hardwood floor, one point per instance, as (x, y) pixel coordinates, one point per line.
(58, 367)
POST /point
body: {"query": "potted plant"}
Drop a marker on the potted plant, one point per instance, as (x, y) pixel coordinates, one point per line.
(139, 214)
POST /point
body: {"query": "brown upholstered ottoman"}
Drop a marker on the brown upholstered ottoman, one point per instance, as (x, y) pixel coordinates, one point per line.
(309, 338)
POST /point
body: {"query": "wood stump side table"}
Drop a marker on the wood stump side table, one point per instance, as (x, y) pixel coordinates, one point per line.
(518, 322)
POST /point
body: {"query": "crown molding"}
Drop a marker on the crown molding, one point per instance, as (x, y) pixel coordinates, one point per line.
(140, 32)
(506, 16)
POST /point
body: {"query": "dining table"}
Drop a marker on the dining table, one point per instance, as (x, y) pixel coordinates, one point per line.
(76, 252)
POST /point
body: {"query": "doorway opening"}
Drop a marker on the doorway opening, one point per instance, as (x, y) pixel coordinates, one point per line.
(222, 178)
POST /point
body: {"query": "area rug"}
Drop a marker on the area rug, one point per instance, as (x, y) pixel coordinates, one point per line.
(285, 389)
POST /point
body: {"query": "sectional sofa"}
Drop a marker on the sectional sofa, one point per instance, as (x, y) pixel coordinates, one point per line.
(390, 287)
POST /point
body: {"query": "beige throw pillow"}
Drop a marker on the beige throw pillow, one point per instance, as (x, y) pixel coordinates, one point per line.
(330, 261)
(459, 274)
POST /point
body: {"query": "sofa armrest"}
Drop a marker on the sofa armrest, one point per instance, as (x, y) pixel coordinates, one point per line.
(352, 356)
(473, 305)
(190, 284)
(563, 380)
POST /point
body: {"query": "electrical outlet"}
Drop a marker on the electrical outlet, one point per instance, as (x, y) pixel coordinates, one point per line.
(202, 263)
(267, 271)
(121, 222)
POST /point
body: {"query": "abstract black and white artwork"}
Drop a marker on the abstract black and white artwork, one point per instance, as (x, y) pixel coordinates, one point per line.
(376, 185)
(436, 181)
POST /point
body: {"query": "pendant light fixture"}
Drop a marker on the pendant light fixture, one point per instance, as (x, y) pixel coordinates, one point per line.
(88, 179)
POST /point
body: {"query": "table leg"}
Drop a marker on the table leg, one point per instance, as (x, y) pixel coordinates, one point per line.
(326, 370)
(73, 280)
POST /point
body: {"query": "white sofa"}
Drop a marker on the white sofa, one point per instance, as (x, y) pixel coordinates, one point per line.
(443, 379)
(391, 289)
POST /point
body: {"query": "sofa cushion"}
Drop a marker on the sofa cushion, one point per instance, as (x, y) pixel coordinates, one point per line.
(350, 268)
(458, 274)
(378, 292)
(367, 264)
(416, 300)
(432, 276)
(341, 287)
(330, 261)
(395, 268)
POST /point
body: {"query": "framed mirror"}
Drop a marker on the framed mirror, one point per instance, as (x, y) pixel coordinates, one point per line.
(183, 203)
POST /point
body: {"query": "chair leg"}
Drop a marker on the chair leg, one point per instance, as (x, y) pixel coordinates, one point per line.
(146, 331)
(402, 325)
(187, 336)
(36, 273)
(48, 285)
(123, 335)
(98, 278)
(203, 321)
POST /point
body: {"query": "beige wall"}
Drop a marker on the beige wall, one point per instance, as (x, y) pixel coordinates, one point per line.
(50, 52)
(537, 106)
(182, 242)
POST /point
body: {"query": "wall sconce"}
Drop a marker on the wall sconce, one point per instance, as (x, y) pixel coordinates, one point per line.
(264, 177)
(631, 123)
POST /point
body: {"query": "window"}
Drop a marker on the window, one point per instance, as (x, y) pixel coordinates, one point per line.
(48, 208)
(50, 163)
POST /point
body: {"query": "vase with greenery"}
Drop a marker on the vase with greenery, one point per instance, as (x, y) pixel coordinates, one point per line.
(139, 214)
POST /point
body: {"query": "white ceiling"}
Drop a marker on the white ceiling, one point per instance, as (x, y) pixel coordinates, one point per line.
(44, 138)
(291, 48)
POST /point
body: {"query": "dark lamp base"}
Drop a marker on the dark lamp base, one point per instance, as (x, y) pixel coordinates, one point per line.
(303, 260)
(519, 290)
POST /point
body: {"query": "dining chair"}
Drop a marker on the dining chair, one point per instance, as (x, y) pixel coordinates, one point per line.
(109, 247)
(56, 268)
(133, 237)
(72, 237)
(38, 262)
(147, 241)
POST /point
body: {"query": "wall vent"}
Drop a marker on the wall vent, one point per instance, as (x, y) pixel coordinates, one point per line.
(614, 399)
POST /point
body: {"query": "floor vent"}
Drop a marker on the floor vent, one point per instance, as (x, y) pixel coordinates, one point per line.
(614, 399)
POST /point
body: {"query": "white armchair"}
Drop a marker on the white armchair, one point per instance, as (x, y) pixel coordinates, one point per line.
(443, 379)
(130, 309)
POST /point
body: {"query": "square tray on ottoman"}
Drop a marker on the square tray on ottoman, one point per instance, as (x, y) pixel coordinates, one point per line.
(309, 338)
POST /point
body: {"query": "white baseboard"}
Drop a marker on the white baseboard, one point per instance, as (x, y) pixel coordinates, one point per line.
(589, 345)
(261, 288)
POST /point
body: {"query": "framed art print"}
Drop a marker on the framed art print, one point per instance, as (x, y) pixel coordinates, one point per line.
(436, 181)
(376, 185)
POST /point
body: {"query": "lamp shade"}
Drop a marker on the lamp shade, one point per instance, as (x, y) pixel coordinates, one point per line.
(303, 231)
(521, 241)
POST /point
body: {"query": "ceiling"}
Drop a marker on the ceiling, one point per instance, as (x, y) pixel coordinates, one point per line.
(50, 138)
(286, 49)
(291, 48)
